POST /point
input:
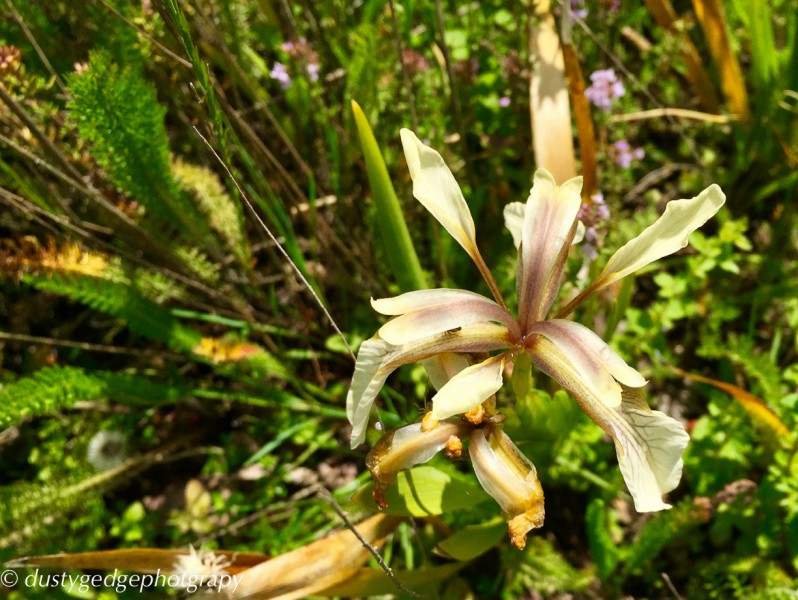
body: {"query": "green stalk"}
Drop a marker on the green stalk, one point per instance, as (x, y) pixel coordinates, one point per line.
(392, 233)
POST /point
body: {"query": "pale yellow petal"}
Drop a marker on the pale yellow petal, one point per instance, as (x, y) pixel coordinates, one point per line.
(377, 359)
(580, 233)
(468, 389)
(514, 220)
(649, 445)
(442, 367)
(436, 188)
(510, 479)
(667, 235)
(366, 384)
(409, 446)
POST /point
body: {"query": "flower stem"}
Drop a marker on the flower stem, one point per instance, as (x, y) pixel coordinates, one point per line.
(488, 277)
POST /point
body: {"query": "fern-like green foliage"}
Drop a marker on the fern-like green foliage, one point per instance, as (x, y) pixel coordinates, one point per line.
(58, 387)
(604, 549)
(224, 215)
(116, 110)
(543, 569)
(141, 315)
(665, 528)
(756, 364)
(30, 509)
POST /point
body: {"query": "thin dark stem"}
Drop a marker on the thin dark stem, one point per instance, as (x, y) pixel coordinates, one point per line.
(277, 244)
(34, 339)
(397, 40)
(574, 304)
(458, 115)
(327, 497)
(488, 277)
(32, 39)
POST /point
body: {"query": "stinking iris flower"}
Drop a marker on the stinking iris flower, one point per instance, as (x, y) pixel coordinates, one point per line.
(444, 327)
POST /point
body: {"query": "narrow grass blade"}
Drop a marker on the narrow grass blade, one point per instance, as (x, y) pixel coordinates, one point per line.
(392, 231)
(761, 414)
(666, 17)
(713, 21)
(584, 121)
(764, 58)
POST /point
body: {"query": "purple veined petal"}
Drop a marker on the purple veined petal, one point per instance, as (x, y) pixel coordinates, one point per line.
(549, 219)
(480, 337)
(448, 316)
(442, 367)
(377, 359)
(649, 444)
(421, 299)
(514, 222)
(571, 366)
(469, 388)
(574, 339)
(436, 188)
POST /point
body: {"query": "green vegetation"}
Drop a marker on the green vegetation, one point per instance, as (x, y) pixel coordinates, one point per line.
(192, 212)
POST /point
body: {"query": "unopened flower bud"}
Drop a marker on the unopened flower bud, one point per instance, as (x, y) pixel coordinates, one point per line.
(407, 447)
(511, 480)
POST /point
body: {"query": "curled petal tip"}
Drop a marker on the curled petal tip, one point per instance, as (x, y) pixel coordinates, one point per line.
(510, 479)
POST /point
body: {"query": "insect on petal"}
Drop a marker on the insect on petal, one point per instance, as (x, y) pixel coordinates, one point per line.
(436, 311)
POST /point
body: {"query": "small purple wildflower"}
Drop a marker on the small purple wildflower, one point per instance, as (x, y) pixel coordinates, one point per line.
(578, 9)
(588, 245)
(604, 88)
(504, 101)
(295, 47)
(625, 155)
(592, 214)
(280, 73)
(313, 71)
